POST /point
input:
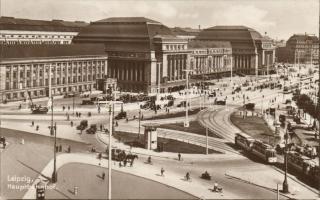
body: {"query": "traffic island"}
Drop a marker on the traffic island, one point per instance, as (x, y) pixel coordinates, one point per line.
(254, 126)
(167, 145)
(194, 127)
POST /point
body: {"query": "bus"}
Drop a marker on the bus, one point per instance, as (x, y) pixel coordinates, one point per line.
(264, 151)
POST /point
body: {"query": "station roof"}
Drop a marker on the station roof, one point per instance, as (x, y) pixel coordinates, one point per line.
(185, 31)
(230, 33)
(47, 51)
(192, 44)
(123, 33)
(11, 23)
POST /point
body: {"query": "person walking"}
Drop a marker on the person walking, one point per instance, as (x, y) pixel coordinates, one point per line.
(71, 123)
(68, 107)
(179, 156)
(162, 171)
(103, 176)
(32, 123)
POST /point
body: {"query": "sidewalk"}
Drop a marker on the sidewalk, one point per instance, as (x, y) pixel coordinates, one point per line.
(197, 188)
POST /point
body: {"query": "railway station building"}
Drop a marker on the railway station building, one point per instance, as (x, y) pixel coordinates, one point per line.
(252, 53)
(142, 51)
(26, 68)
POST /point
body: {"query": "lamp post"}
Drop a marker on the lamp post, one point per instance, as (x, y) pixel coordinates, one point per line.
(139, 122)
(53, 131)
(109, 149)
(73, 103)
(285, 186)
(186, 123)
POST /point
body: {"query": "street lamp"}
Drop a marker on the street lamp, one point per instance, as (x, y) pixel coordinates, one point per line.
(109, 149)
(285, 186)
(73, 103)
(186, 123)
(139, 122)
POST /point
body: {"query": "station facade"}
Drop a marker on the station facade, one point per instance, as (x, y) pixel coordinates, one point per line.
(26, 68)
(142, 52)
(252, 53)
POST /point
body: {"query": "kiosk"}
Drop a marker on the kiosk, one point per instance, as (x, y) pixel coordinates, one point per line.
(150, 136)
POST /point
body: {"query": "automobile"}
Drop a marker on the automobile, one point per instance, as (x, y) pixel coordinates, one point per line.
(249, 106)
(288, 101)
(83, 125)
(121, 115)
(92, 129)
(183, 104)
(220, 102)
(87, 102)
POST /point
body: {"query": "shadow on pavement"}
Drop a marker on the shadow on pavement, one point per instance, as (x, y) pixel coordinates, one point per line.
(48, 178)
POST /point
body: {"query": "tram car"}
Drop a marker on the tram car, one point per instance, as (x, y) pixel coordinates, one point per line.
(256, 147)
(264, 151)
(304, 165)
(244, 142)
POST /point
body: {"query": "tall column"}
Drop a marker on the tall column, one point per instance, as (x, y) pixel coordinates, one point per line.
(178, 67)
(67, 73)
(38, 75)
(31, 74)
(25, 76)
(18, 76)
(55, 68)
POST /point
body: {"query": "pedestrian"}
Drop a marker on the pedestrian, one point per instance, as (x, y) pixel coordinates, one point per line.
(32, 123)
(100, 127)
(179, 156)
(79, 114)
(76, 114)
(68, 107)
(69, 149)
(125, 162)
(71, 123)
(60, 148)
(63, 108)
(162, 171)
(188, 176)
(100, 156)
(103, 175)
(68, 117)
(37, 127)
(117, 123)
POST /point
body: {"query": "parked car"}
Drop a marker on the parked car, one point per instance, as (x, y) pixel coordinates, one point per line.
(121, 115)
(92, 129)
(83, 125)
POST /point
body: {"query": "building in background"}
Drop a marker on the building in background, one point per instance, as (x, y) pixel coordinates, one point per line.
(212, 59)
(26, 31)
(74, 68)
(300, 48)
(252, 53)
(186, 33)
(140, 52)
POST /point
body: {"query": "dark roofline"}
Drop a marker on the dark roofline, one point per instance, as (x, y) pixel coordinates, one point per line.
(51, 51)
(11, 23)
(132, 20)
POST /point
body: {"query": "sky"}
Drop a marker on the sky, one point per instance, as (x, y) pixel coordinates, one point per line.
(278, 18)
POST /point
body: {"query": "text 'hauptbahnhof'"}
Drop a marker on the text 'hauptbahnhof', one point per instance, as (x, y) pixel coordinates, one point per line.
(135, 51)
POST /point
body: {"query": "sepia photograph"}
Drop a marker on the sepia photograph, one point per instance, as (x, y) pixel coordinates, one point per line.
(159, 99)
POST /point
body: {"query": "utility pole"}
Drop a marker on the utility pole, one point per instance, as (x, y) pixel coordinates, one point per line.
(109, 149)
(285, 186)
(186, 123)
(53, 131)
(207, 152)
(139, 122)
